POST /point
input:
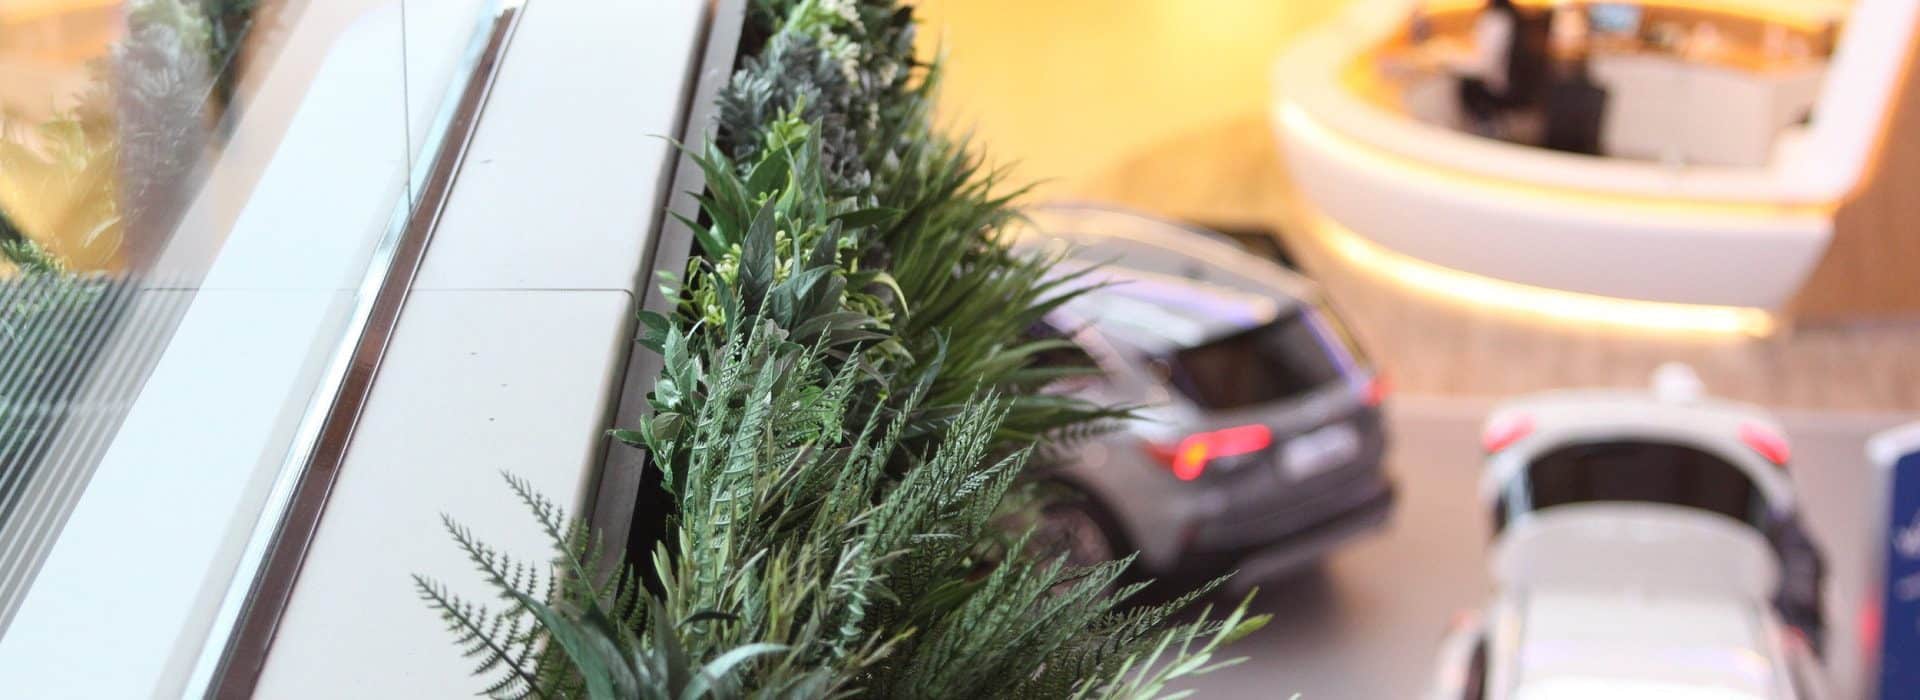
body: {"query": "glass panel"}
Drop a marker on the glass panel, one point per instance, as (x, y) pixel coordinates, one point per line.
(1277, 361)
(1647, 472)
(197, 200)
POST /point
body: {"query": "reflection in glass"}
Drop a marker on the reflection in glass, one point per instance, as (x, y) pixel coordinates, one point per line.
(100, 138)
(98, 179)
(198, 199)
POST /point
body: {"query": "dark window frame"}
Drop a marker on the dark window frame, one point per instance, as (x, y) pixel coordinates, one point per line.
(1339, 354)
(1523, 491)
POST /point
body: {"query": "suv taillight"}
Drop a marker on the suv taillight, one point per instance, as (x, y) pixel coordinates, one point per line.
(1504, 431)
(1188, 458)
(1769, 444)
(1375, 391)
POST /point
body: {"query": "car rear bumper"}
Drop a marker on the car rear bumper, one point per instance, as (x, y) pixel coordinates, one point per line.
(1304, 548)
(1292, 539)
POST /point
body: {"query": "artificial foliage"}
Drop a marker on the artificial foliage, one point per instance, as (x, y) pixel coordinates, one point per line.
(847, 67)
(949, 300)
(848, 402)
(847, 64)
(804, 570)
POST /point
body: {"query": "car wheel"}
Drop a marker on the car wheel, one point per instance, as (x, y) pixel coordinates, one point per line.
(1079, 530)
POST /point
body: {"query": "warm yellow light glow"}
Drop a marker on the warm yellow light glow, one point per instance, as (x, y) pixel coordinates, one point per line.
(23, 11)
(1071, 92)
(1803, 15)
(1304, 126)
(1535, 302)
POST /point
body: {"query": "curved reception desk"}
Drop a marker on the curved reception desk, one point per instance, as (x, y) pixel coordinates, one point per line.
(1681, 240)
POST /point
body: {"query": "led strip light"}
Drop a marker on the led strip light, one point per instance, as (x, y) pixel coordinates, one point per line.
(1536, 302)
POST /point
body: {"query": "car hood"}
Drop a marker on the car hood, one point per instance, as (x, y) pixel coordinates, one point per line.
(1641, 546)
(1641, 645)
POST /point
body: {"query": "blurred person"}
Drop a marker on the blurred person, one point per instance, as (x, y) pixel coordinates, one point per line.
(1506, 67)
(1571, 32)
(1485, 69)
(1419, 25)
(1575, 104)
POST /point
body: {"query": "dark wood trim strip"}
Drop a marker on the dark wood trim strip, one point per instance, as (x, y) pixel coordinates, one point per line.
(245, 653)
(618, 498)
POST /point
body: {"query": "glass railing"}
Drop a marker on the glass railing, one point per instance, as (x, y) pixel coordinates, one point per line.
(199, 202)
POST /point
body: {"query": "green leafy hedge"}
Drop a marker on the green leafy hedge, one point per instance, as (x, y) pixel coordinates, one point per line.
(848, 398)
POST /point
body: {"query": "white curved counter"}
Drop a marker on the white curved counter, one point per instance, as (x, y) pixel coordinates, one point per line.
(1637, 230)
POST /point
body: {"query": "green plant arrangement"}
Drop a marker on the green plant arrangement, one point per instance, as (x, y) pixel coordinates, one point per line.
(847, 402)
(848, 67)
(804, 571)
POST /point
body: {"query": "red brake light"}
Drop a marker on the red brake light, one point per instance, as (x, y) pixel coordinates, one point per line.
(1868, 627)
(1768, 443)
(1376, 390)
(1505, 431)
(1189, 458)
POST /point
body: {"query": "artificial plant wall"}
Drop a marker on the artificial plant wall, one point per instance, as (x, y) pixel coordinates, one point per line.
(848, 399)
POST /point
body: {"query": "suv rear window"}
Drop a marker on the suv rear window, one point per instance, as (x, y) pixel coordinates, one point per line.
(1650, 472)
(1283, 359)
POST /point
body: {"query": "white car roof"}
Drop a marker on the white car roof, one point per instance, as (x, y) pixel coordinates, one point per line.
(1158, 313)
(1576, 644)
(1141, 243)
(1578, 416)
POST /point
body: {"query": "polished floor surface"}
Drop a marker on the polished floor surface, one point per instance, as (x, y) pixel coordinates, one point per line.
(1366, 625)
(1161, 106)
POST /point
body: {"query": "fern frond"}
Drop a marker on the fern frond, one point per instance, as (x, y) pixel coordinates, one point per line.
(1145, 675)
(499, 643)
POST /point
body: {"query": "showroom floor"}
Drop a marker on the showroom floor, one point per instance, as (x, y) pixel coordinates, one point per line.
(1160, 106)
(1367, 624)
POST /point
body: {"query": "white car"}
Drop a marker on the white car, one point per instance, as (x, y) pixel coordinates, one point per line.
(1647, 546)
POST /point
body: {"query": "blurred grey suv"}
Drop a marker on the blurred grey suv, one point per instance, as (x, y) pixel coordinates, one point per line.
(1260, 445)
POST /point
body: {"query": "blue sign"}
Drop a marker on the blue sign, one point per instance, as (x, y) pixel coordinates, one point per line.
(1898, 454)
